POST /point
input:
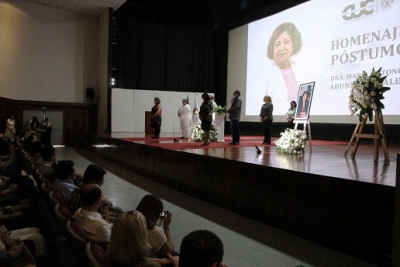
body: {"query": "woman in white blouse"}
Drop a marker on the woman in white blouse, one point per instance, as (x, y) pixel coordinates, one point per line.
(185, 117)
(290, 114)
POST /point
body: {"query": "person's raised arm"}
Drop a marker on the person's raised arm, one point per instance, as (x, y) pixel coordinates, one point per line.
(168, 246)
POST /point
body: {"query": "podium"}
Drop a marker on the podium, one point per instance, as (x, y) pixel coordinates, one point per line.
(147, 128)
(219, 123)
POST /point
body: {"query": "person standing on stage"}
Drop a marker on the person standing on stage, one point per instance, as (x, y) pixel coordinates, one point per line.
(214, 104)
(155, 120)
(234, 116)
(290, 114)
(185, 117)
(266, 118)
(205, 114)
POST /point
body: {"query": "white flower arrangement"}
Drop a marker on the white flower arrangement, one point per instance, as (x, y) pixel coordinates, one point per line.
(220, 110)
(197, 134)
(366, 94)
(292, 141)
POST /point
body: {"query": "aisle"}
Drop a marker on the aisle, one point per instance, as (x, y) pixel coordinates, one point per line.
(247, 243)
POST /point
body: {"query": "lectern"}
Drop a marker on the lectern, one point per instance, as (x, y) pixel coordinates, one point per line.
(147, 128)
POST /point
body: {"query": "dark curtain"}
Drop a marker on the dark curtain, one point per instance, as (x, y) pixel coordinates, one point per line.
(153, 56)
(220, 66)
(189, 60)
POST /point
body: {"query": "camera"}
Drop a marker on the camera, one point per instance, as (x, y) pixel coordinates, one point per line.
(163, 215)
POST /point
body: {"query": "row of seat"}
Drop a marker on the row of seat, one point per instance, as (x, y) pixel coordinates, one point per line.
(79, 241)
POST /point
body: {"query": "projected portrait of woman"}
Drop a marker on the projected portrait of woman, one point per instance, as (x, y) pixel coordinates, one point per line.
(283, 77)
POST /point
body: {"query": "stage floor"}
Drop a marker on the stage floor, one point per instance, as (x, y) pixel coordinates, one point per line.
(322, 157)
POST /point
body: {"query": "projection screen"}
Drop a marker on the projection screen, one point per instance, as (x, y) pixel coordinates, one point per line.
(330, 43)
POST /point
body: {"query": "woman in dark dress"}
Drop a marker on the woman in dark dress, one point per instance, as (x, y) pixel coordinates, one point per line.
(46, 130)
(266, 118)
(155, 122)
(205, 114)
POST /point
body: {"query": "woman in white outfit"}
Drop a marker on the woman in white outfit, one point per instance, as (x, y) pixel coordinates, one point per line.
(10, 128)
(185, 117)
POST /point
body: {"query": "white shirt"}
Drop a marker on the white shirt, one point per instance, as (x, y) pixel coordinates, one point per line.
(94, 224)
(156, 238)
(185, 112)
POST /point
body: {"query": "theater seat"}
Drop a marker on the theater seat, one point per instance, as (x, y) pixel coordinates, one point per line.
(63, 213)
(97, 254)
(78, 238)
(76, 230)
(56, 197)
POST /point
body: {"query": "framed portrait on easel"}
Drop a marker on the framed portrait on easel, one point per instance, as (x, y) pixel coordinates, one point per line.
(304, 99)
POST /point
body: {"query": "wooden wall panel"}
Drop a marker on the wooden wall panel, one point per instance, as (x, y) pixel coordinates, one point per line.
(79, 119)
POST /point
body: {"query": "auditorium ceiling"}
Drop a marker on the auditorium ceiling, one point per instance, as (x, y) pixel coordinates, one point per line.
(208, 14)
(88, 7)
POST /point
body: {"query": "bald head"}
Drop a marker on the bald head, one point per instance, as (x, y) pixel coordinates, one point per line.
(90, 194)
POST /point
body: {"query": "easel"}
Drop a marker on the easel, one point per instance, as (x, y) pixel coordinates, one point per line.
(379, 134)
(304, 122)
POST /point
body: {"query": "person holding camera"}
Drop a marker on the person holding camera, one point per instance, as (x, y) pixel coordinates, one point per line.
(160, 239)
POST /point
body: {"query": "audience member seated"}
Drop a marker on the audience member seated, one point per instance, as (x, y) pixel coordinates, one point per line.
(12, 166)
(5, 144)
(9, 213)
(31, 233)
(14, 253)
(20, 137)
(34, 149)
(12, 178)
(7, 196)
(201, 248)
(28, 140)
(65, 181)
(23, 187)
(49, 161)
(128, 244)
(92, 221)
(160, 240)
(21, 216)
(7, 193)
(93, 175)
